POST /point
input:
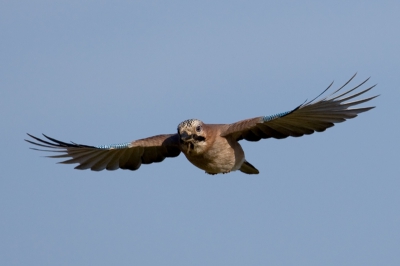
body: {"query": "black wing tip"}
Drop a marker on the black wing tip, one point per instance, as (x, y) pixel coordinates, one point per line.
(40, 142)
(334, 96)
(55, 143)
(352, 77)
(43, 143)
(32, 136)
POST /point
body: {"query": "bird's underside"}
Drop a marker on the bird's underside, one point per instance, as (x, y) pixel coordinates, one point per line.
(213, 147)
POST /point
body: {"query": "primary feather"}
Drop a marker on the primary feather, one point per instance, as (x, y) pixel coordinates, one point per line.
(315, 115)
(214, 147)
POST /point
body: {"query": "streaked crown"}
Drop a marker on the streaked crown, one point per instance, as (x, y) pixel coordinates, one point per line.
(190, 123)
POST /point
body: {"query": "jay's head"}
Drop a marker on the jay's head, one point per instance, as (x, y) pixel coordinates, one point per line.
(192, 136)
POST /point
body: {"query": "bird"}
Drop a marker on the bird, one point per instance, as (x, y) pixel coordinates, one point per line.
(214, 148)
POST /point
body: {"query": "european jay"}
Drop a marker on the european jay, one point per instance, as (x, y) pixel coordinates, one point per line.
(214, 148)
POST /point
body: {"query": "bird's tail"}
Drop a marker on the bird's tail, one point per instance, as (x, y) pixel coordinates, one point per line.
(248, 168)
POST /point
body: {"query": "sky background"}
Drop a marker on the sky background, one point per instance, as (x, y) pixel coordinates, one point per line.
(97, 72)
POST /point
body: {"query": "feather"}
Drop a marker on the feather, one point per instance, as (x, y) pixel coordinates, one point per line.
(126, 156)
(315, 115)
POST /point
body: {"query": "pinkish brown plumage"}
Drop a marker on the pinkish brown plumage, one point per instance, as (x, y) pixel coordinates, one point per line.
(203, 147)
(213, 148)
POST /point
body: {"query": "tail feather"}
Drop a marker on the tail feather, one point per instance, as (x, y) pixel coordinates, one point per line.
(248, 168)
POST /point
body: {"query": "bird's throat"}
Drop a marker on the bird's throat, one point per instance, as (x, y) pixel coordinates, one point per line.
(190, 147)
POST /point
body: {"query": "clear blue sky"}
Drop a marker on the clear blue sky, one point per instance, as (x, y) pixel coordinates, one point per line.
(101, 73)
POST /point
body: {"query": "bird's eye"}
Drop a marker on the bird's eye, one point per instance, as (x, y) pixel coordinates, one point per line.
(198, 128)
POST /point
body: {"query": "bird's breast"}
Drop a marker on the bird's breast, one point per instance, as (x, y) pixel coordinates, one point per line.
(222, 156)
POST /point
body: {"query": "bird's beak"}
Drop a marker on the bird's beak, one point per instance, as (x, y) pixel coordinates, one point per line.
(185, 137)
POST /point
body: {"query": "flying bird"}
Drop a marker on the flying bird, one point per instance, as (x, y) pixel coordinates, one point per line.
(213, 148)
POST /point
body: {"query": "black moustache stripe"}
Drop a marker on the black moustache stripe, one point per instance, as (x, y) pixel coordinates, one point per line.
(199, 138)
(194, 136)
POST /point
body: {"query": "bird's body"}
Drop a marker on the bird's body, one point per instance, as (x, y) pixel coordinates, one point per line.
(218, 155)
(213, 148)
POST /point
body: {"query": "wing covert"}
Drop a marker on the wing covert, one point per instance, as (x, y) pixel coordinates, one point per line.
(312, 116)
(130, 155)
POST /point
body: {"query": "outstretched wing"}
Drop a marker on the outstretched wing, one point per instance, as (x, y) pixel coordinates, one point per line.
(311, 116)
(111, 157)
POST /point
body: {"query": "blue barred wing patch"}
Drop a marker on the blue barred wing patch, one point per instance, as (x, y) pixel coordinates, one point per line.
(271, 117)
(115, 146)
